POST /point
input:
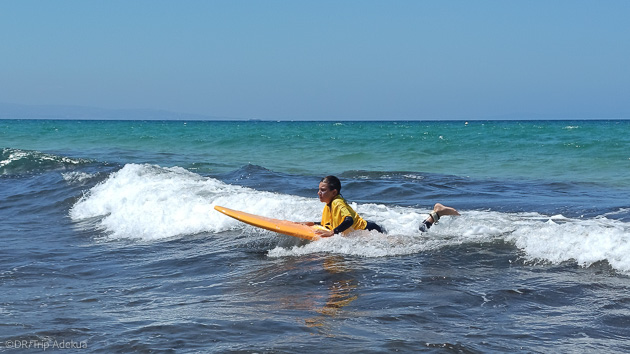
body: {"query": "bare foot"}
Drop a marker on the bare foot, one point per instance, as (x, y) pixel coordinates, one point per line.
(442, 210)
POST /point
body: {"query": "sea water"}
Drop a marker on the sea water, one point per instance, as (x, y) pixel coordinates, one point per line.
(110, 240)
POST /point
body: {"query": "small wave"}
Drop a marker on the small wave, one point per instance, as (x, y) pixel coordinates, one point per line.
(150, 202)
(548, 239)
(15, 161)
(584, 241)
(391, 175)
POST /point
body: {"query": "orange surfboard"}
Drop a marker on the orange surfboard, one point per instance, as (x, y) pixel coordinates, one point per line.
(284, 227)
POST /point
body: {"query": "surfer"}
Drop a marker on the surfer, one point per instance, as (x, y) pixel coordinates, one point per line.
(339, 217)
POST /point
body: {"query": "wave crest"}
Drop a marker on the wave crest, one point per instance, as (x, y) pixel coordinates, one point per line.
(17, 161)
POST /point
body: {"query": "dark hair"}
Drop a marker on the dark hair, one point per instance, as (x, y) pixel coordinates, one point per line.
(332, 182)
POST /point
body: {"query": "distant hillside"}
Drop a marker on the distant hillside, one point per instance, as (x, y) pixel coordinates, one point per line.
(18, 111)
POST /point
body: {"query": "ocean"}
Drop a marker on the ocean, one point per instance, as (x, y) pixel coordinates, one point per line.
(110, 242)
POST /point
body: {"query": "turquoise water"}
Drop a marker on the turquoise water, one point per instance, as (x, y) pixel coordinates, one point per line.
(577, 151)
(110, 239)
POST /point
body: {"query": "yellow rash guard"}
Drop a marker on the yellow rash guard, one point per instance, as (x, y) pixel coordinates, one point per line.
(335, 212)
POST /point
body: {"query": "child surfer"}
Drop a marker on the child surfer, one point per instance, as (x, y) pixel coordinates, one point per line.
(339, 217)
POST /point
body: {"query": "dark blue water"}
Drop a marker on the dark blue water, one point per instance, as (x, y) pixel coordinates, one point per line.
(117, 249)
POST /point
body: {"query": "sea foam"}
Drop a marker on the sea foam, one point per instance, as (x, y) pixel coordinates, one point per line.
(149, 202)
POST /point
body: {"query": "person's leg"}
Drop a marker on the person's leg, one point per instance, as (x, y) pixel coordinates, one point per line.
(442, 210)
(438, 211)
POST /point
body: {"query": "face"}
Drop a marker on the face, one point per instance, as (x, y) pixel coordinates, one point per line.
(326, 195)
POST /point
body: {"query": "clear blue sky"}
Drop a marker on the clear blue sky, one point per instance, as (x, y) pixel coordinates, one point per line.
(322, 59)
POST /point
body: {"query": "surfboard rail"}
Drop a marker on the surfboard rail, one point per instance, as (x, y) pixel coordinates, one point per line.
(284, 227)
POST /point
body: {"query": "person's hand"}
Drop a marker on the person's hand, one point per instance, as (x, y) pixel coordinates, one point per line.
(324, 233)
(307, 223)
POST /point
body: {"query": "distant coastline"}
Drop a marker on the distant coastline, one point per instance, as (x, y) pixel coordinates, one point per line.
(70, 112)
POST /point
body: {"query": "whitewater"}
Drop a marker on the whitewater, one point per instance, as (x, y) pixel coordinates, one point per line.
(111, 240)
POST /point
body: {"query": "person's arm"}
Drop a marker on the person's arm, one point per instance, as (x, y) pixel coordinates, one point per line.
(345, 225)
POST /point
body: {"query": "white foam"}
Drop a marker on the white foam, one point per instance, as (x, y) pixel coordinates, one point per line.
(17, 155)
(584, 241)
(14, 156)
(151, 203)
(77, 177)
(554, 239)
(403, 236)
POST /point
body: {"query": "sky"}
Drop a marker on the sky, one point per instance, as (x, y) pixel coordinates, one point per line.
(322, 60)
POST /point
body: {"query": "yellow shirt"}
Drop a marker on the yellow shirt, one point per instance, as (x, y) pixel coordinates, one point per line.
(333, 215)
